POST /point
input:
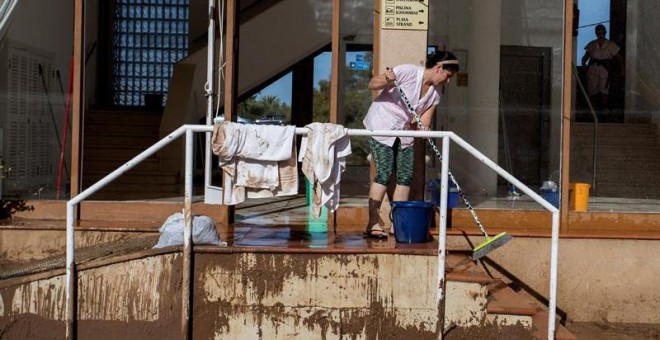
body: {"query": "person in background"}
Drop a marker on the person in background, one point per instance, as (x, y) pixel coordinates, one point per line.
(602, 57)
(388, 111)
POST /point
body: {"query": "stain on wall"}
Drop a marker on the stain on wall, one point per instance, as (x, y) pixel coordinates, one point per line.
(252, 296)
(316, 295)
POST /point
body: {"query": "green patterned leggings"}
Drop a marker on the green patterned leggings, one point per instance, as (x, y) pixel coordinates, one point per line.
(384, 156)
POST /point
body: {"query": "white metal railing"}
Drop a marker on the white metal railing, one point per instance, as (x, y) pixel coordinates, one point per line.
(594, 150)
(188, 130)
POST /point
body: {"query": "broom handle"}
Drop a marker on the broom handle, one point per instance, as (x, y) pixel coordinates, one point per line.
(439, 155)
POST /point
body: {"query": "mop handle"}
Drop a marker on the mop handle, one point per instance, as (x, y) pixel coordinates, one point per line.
(439, 155)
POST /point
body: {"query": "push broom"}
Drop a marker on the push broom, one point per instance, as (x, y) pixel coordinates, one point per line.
(490, 243)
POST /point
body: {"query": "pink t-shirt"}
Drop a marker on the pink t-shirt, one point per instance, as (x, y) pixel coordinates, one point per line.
(389, 112)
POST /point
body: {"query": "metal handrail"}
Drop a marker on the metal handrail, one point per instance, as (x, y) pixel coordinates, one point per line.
(593, 114)
(188, 192)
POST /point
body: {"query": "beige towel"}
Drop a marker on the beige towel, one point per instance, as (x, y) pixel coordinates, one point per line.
(256, 159)
(323, 155)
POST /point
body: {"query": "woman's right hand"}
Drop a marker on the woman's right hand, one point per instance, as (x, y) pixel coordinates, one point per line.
(382, 81)
(390, 76)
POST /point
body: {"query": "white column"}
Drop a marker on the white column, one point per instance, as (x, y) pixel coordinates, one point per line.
(483, 92)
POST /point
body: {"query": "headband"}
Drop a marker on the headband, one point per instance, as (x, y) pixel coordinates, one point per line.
(448, 62)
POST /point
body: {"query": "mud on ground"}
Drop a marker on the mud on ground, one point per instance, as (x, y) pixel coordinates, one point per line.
(614, 331)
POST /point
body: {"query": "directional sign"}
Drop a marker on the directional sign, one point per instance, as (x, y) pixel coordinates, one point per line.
(360, 65)
(404, 14)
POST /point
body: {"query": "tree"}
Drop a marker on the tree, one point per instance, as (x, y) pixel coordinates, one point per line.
(356, 101)
(321, 103)
(252, 109)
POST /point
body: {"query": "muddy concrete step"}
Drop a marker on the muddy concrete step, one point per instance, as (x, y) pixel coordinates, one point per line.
(540, 328)
(506, 308)
(470, 291)
(461, 268)
(465, 296)
(504, 300)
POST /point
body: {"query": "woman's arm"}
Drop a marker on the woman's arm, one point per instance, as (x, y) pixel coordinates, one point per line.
(585, 58)
(381, 81)
(426, 118)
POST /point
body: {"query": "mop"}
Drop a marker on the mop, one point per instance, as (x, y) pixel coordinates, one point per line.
(490, 243)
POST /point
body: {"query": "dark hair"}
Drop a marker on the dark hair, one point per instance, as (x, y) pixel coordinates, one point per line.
(439, 56)
(600, 27)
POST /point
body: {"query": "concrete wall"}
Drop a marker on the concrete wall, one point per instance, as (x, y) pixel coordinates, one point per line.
(247, 296)
(343, 294)
(317, 296)
(137, 299)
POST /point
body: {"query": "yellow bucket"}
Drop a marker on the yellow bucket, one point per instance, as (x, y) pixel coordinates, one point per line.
(579, 200)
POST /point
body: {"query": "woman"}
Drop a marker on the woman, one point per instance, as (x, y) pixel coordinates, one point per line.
(389, 112)
(603, 57)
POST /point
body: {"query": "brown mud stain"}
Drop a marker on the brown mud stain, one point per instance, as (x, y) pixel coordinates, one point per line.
(266, 277)
(489, 331)
(30, 326)
(167, 327)
(267, 274)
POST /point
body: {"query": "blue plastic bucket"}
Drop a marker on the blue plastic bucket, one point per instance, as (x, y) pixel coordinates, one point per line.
(551, 197)
(433, 189)
(452, 199)
(411, 221)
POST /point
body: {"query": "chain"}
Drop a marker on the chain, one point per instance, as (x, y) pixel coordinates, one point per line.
(439, 155)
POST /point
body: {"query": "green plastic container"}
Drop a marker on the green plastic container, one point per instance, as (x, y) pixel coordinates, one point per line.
(319, 225)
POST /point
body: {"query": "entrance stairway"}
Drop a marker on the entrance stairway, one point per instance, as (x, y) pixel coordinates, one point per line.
(628, 159)
(504, 307)
(112, 138)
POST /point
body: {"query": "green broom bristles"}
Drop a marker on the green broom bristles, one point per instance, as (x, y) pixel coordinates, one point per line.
(490, 244)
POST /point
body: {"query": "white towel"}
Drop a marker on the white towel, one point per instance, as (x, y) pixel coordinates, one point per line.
(253, 157)
(323, 153)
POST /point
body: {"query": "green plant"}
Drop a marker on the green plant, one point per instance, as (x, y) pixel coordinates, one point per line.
(9, 207)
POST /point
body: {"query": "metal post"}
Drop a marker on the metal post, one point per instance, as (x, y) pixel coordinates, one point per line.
(187, 241)
(442, 235)
(210, 93)
(554, 254)
(70, 272)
